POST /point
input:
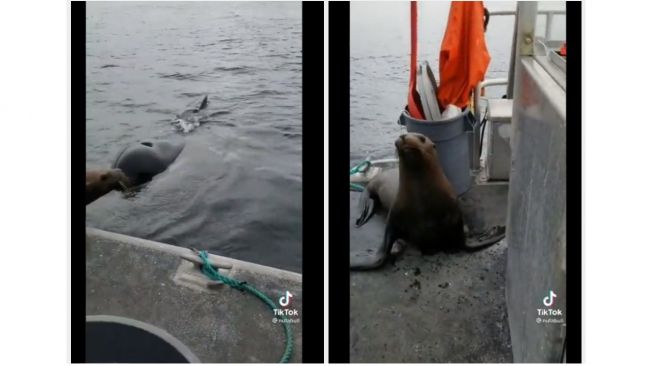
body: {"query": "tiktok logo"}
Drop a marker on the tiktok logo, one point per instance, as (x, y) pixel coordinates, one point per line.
(285, 300)
(548, 300)
(549, 315)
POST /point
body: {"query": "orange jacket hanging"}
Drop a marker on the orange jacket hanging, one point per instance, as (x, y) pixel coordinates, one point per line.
(464, 57)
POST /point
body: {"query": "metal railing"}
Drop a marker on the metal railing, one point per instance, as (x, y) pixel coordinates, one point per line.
(476, 147)
(479, 88)
(548, 13)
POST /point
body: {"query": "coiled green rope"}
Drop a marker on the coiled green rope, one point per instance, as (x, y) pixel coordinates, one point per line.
(213, 274)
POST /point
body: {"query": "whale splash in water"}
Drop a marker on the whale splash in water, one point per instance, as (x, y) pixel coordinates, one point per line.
(191, 118)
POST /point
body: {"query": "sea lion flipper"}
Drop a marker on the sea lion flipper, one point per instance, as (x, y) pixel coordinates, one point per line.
(374, 258)
(364, 260)
(485, 239)
(367, 204)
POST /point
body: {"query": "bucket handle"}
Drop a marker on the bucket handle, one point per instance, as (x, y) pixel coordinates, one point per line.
(402, 120)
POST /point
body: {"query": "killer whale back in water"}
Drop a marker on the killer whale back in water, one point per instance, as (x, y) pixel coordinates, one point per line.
(142, 161)
(191, 118)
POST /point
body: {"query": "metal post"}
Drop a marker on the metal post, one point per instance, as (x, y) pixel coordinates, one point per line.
(511, 72)
(549, 25)
(526, 19)
(523, 39)
(549, 20)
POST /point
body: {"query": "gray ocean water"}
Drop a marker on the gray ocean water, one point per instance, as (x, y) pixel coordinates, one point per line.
(380, 54)
(236, 188)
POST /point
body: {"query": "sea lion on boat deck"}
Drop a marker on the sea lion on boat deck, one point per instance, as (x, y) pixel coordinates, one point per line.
(142, 161)
(423, 207)
(423, 211)
(101, 182)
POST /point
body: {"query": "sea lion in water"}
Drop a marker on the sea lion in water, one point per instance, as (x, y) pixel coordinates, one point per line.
(142, 161)
(101, 182)
(423, 207)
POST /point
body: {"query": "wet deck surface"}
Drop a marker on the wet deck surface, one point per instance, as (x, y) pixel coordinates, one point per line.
(220, 324)
(441, 308)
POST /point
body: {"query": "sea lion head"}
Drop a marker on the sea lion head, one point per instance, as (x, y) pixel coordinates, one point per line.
(108, 179)
(101, 182)
(416, 151)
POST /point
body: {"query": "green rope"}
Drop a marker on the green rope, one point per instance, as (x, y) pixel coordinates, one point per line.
(213, 274)
(362, 167)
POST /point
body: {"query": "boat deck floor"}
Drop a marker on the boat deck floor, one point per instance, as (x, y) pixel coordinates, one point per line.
(149, 282)
(440, 308)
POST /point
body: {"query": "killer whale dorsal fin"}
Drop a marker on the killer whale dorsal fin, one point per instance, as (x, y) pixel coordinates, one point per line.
(204, 103)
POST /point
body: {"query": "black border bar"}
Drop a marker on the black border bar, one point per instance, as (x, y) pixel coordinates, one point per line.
(574, 184)
(312, 182)
(338, 182)
(78, 172)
